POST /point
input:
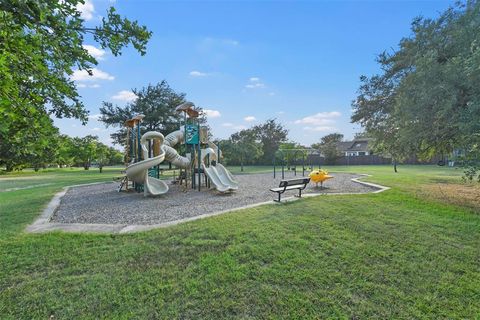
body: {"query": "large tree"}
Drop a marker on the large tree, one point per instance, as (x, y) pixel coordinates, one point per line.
(246, 147)
(271, 134)
(426, 101)
(24, 142)
(156, 102)
(84, 150)
(328, 146)
(41, 45)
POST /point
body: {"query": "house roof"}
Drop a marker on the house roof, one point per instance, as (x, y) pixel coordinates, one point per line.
(354, 145)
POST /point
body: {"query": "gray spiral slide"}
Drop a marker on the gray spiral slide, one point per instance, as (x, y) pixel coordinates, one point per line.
(138, 172)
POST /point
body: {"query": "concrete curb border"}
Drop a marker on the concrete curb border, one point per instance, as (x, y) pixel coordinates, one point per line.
(43, 224)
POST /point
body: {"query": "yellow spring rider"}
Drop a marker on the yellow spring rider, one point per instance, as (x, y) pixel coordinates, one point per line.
(319, 176)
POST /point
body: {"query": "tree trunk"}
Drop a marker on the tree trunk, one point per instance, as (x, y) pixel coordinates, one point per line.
(395, 165)
(86, 166)
(100, 167)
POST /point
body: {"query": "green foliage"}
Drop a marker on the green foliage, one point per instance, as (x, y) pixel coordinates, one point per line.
(241, 148)
(288, 152)
(25, 142)
(64, 152)
(271, 134)
(426, 101)
(471, 173)
(471, 163)
(328, 146)
(41, 45)
(255, 145)
(101, 155)
(84, 150)
(156, 102)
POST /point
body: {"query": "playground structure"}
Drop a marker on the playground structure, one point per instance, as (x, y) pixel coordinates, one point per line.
(144, 154)
(288, 157)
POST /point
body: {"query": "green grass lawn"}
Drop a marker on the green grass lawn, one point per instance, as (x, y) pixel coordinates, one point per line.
(405, 253)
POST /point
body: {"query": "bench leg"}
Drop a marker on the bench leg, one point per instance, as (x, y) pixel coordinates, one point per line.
(299, 193)
(279, 196)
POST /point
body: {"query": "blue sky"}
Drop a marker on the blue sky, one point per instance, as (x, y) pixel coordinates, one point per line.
(246, 62)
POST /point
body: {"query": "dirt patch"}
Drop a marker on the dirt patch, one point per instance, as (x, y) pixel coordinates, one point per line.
(466, 195)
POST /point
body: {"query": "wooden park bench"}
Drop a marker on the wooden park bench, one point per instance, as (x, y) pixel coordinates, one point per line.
(291, 184)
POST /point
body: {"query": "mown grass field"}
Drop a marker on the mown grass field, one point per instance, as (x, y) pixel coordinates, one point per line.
(410, 252)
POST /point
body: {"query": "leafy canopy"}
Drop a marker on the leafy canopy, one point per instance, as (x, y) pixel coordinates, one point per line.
(41, 46)
(328, 146)
(426, 101)
(156, 102)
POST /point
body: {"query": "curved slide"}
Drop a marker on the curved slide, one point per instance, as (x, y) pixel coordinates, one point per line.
(221, 178)
(138, 172)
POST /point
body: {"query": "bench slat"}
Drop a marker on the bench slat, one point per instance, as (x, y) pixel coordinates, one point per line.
(291, 182)
(287, 188)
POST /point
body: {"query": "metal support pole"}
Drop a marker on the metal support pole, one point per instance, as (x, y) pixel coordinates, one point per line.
(199, 161)
(303, 165)
(193, 152)
(295, 164)
(139, 147)
(274, 166)
(207, 182)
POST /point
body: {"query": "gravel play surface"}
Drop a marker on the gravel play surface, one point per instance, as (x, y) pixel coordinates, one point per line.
(102, 203)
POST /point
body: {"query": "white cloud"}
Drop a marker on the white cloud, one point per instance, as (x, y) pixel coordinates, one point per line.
(281, 112)
(86, 10)
(320, 122)
(321, 129)
(95, 52)
(95, 117)
(227, 124)
(249, 118)
(96, 129)
(93, 86)
(254, 83)
(125, 95)
(212, 113)
(82, 75)
(319, 119)
(198, 74)
(271, 93)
